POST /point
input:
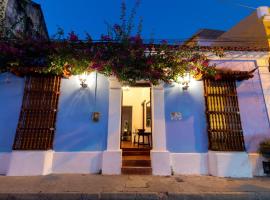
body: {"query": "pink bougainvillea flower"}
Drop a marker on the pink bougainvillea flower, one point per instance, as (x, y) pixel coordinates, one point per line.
(97, 66)
(205, 63)
(149, 62)
(218, 77)
(73, 37)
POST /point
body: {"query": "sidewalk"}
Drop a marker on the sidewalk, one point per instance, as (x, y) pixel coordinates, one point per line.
(93, 187)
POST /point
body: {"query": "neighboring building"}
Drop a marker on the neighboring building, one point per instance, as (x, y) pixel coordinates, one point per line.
(22, 18)
(67, 128)
(204, 37)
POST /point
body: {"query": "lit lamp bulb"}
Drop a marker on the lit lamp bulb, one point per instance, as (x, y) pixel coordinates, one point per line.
(83, 80)
(125, 87)
(146, 52)
(184, 80)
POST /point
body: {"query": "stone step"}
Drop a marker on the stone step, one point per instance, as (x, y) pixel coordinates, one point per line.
(137, 170)
(136, 149)
(136, 163)
(137, 157)
(136, 153)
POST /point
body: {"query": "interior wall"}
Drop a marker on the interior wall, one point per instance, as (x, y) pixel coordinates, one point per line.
(134, 97)
(11, 93)
(75, 129)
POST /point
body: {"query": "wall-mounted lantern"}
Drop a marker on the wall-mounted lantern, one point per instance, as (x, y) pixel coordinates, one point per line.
(151, 52)
(83, 80)
(184, 80)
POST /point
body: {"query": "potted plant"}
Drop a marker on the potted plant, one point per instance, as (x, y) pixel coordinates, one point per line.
(264, 150)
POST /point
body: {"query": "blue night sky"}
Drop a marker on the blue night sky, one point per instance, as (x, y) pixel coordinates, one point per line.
(163, 19)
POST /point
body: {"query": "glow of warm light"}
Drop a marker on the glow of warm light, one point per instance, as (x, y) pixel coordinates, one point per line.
(184, 80)
(83, 80)
(125, 88)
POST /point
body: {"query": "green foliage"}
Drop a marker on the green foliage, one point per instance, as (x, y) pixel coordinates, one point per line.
(119, 54)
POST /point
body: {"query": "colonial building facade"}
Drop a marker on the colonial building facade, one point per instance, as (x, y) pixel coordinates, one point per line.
(94, 124)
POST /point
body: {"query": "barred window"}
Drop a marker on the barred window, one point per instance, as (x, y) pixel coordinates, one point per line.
(36, 124)
(223, 116)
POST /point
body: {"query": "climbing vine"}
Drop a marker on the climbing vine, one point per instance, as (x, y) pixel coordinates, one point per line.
(120, 53)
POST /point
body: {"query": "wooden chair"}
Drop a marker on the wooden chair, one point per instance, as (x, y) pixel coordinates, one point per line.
(142, 134)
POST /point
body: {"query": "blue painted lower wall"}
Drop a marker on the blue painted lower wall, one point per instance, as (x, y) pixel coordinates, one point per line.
(75, 131)
(188, 134)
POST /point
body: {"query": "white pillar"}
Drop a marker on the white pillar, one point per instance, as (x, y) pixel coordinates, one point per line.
(160, 157)
(112, 157)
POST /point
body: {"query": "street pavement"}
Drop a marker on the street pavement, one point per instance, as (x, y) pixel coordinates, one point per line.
(99, 187)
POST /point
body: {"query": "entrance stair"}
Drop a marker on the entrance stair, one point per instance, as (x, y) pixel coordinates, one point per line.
(136, 161)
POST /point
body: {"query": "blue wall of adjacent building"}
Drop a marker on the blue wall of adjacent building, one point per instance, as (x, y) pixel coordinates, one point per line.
(75, 130)
(190, 133)
(11, 94)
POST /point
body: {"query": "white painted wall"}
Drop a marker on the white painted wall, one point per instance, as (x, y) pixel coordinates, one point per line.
(229, 164)
(189, 163)
(134, 97)
(77, 162)
(4, 163)
(30, 163)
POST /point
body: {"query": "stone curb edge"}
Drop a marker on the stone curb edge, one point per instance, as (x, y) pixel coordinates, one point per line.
(138, 196)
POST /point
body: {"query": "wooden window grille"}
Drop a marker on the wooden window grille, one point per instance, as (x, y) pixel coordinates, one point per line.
(36, 124)
(223, 116)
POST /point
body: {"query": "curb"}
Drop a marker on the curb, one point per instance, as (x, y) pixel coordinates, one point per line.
(138, 196)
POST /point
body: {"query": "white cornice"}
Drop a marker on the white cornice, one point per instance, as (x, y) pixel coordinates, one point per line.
(262, 58)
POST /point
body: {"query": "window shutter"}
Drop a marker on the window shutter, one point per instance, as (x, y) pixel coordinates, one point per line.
(36, 125)
(223, 116)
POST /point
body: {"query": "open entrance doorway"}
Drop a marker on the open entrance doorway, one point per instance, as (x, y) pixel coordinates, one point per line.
(136, 119)
(136, 129)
